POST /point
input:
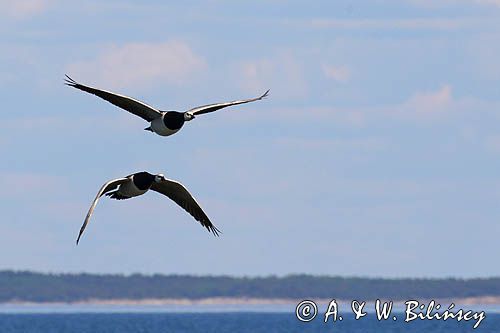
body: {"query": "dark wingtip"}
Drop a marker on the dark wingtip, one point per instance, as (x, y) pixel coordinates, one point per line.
(79, 235)
(216, 232)
(265, 94)
(69, 81)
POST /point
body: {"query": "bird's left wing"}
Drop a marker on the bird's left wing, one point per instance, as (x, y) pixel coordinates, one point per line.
(180, 195)
(129, 104)
(109, 186)
(214, 107)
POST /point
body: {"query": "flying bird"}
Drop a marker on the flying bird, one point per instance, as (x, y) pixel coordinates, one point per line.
(163, 123)
(139, 183)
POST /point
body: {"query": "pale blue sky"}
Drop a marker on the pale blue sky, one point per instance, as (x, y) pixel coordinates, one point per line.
(376, 154)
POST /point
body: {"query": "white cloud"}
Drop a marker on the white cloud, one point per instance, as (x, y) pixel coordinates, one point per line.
(422, 106)
(358, 144)
(43, 125)
(407, 24)
(29, 184)
(440, 104)
(19, 9)
(137, 64)
(337, 73)
(349, 116)
(281, 71)
(489, 2)
(254, 71)
(483, 52)
(444, 3)
(430, 102)
(492, 143)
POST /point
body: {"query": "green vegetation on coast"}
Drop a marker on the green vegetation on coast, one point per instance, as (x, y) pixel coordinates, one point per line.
(37, 287)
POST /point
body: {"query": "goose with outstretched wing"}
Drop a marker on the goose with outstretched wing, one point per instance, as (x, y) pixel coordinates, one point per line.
(163, 123)
(139, 183)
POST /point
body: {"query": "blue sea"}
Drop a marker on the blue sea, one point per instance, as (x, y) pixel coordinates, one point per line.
(59, 320)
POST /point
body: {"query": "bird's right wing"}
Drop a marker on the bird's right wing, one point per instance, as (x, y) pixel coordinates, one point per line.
(181, 196)
(217, 106)
(109, 186)
(138, 108)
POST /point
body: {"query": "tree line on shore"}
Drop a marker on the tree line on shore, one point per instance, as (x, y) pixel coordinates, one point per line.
(39, 287)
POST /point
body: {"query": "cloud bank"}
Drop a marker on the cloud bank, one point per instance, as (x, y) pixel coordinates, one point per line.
(22, 8)
(139, 64)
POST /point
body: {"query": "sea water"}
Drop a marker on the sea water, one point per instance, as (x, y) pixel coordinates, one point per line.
(221, 322)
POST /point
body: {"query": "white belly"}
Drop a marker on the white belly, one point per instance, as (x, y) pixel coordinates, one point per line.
(159, 127)
(130, 190)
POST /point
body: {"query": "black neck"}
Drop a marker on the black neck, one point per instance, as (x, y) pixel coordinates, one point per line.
(173, 119)
(143, 180)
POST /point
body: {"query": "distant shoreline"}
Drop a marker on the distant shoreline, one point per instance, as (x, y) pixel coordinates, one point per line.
(186, 290)
(218, 301)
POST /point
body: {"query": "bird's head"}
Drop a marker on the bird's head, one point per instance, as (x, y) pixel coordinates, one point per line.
(188, 116)
(159, 178)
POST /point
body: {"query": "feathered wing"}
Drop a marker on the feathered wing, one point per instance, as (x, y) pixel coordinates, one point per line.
(181, 196)
(138, 108)
(109, 186)
(214, 107)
